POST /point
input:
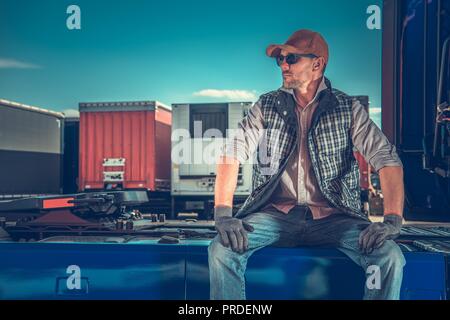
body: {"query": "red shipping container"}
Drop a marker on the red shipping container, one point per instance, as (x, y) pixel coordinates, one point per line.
(125, 144)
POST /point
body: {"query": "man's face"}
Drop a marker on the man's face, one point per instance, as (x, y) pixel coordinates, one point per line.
(299, 74)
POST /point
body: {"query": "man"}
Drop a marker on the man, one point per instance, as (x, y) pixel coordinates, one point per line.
(306, 179)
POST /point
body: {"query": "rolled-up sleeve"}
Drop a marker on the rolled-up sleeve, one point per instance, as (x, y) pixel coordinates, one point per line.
(244, 141)
(371, 142)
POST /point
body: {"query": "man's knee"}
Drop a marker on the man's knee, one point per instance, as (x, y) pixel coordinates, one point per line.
(215, 248)
(220, 256)
(391, 254)
(217, 251)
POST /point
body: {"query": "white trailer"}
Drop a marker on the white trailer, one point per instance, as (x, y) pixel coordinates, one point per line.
(198, 134)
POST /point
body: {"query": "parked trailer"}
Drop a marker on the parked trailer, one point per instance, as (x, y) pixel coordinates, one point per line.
(195, 149)
(415, 81)
(124, 145)
(31, 150)
(71, 151)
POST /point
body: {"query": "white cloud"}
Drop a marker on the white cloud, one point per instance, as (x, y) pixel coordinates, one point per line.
(16, 64)
(228, 94)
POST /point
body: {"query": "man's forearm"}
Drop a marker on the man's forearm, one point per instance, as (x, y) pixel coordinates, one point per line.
(226, 181)
(392, 187)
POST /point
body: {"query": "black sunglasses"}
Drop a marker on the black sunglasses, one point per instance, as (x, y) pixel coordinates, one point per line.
(293, 58)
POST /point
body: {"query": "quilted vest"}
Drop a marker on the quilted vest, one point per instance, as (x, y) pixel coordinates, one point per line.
(329, 143)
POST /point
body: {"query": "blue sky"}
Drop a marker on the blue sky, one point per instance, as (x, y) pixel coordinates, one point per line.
(172, 51)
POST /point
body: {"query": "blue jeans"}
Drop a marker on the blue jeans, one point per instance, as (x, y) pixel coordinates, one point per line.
(227, 268)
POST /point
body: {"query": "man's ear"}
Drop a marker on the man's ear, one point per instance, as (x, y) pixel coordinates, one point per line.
(317, 64)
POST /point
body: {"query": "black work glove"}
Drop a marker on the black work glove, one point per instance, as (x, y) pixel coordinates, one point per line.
(231, 230)
(374, 235)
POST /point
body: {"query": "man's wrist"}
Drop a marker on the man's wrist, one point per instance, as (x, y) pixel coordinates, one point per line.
(223, 212)
(393, 219)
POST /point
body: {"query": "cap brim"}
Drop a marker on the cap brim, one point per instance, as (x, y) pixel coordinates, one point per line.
(275, 49)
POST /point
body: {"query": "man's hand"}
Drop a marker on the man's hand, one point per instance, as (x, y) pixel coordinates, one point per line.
(231, 230)
(374, 235)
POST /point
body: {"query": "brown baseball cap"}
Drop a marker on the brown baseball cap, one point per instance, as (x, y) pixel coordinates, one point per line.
(302, 42)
